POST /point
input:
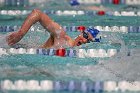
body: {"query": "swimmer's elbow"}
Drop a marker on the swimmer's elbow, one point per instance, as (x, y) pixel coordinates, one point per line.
(36, 11)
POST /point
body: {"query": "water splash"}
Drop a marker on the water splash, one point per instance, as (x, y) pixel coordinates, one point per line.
(121, 63)
(36, 36)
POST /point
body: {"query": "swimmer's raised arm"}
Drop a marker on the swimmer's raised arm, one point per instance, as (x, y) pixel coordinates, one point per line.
(52, 27)
(35, 16)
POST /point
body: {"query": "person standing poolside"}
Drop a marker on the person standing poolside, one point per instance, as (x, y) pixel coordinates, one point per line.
(52, 27)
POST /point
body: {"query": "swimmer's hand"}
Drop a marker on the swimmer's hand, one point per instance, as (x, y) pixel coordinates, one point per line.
(14, 38)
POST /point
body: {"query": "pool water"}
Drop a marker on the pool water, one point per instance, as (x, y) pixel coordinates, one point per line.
(42, 67)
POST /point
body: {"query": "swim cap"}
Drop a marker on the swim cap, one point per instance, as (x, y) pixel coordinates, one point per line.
(74, 2)
(81, 28)
(93, 32)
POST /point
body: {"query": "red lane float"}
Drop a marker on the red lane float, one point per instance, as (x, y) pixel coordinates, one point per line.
(116, 2)
(101, 13)
(60, 52)
(81, 28)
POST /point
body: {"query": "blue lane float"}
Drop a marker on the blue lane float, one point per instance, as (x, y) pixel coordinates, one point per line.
(116, 2)
(15, 3)
(131, 29)
(71, 86)
(79, 53)
(125, 29)
(7, 28)
(106, 1)
(71, 12)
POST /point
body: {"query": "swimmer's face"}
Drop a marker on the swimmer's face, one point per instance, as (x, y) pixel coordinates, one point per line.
(83, 39)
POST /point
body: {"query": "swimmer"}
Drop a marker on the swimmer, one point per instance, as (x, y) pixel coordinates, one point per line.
(96, 8)
(52, 27)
